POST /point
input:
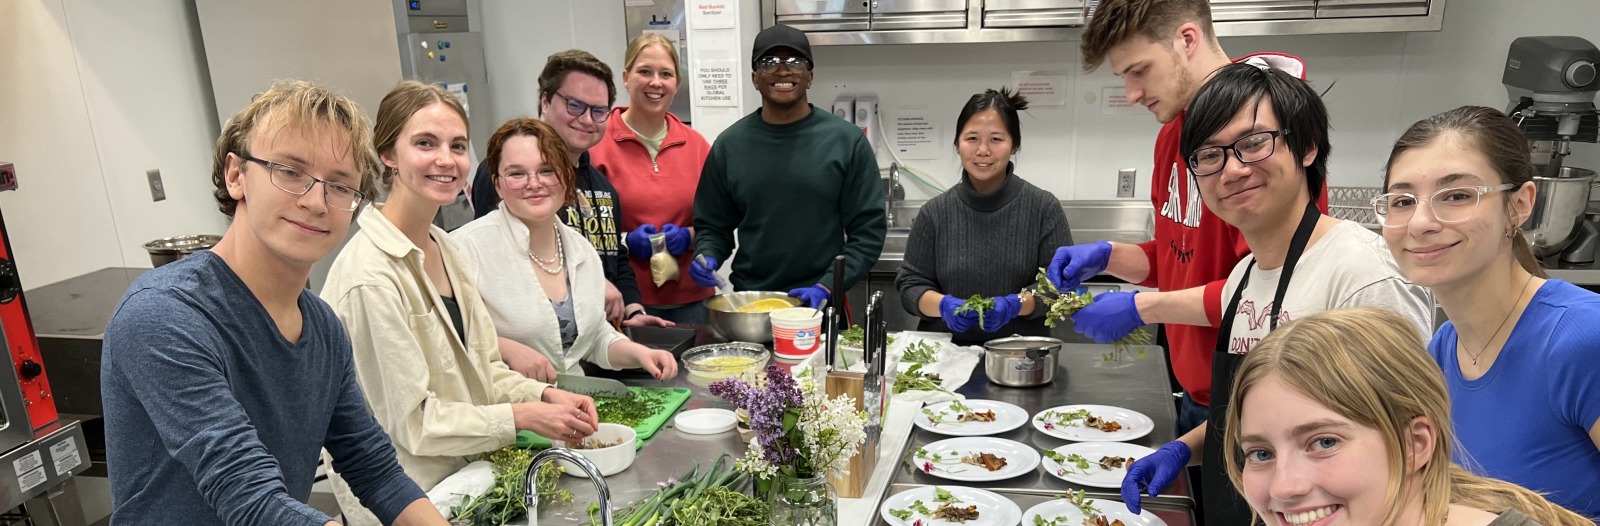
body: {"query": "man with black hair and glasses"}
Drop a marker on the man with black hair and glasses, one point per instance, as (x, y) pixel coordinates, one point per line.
(799, 184)
(1256, 140)
(576, 92)
(222, 376)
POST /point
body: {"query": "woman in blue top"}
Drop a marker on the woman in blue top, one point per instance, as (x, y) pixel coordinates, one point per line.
(1521, 352)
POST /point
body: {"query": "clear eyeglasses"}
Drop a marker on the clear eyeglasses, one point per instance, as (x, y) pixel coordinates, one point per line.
(296, 182)
(1449, 205)
(519, 179)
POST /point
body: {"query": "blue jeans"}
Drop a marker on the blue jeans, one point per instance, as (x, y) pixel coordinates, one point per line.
(1190, 414)
(687, 313)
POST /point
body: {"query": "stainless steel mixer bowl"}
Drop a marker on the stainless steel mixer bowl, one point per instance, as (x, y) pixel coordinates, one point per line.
(735, 326)
(1559, 203)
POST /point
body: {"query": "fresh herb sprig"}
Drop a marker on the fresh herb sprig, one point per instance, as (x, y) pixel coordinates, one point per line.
(503, 502)
(1081, 501)
(933, 461)
(922, 352)
(855, 335)
(913, 379)
(1071, 463)
(978, 304)
(1054, 418)
(1063, 305)
(630, 410)
(956, 408)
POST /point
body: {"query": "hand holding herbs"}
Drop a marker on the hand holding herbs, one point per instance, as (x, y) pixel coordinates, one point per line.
(977, 305)
(1062, 305)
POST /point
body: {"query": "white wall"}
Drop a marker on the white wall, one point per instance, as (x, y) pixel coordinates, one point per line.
(519, 36)
(99, 92)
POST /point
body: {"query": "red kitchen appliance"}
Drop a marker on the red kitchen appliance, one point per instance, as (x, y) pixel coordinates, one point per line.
(39, 451)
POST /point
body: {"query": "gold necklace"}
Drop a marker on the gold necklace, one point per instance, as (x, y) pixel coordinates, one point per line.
(557, 261)
(1502, 322)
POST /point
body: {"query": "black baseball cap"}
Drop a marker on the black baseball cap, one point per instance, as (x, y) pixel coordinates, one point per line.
(780, 35)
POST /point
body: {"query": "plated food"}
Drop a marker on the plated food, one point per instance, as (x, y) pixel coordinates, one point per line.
(975, 459)
(1094, 464)
(1093, 423)
(947, 506)
(971, 417)
(1077, 509)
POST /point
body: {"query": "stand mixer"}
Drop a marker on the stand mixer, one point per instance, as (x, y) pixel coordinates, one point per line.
(1552, 83)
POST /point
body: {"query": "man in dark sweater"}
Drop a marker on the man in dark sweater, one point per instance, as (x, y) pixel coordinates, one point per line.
(800, 184)
(223, 376)
(576, 92)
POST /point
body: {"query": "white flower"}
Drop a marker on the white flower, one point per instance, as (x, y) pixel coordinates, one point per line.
(832, 429)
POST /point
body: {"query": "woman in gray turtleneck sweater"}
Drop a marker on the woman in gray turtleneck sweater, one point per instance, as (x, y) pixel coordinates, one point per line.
(987, 236)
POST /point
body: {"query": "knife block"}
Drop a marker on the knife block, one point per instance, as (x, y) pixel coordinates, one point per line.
(853, 485)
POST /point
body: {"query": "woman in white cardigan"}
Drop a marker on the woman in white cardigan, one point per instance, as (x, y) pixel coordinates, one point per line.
(542, 280)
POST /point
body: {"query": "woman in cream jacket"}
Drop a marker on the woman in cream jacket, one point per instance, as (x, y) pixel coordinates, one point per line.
(424, 348)
(543, 282)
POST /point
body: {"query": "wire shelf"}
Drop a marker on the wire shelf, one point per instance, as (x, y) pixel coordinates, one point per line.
(1353, 203)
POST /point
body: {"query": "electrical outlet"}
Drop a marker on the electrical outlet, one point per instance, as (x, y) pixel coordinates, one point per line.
(1125, 179)
(157, 191)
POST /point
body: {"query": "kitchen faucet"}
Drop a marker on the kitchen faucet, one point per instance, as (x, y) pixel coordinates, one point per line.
(893, 193)
(531, 498)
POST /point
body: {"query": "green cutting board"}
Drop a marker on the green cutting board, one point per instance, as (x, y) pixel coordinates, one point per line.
(675, 398)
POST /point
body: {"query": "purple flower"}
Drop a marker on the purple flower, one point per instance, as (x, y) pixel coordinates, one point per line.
(767, 408)
(927, 467)
(1049, 426)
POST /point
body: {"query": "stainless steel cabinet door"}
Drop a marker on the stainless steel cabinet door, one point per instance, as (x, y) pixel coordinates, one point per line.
(825, 15)
(1033, 13)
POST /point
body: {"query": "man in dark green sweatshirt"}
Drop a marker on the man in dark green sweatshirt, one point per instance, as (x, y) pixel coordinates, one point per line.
(798, 183)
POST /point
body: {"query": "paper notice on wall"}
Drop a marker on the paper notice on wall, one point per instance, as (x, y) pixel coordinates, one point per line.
(1115, 102)
(715, 78)
(1043, 88)
(915, 134)
(713, 14)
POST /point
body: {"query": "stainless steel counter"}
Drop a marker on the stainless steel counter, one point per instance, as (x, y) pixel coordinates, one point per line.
(1140, 386)
(1080, 379)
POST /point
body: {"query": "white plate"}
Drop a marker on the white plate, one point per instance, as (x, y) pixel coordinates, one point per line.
(993, 510)
(1134, 424)
(1020, 459)
(1006, 417)
(1093, 452)
(1110, 509)
(707, 421)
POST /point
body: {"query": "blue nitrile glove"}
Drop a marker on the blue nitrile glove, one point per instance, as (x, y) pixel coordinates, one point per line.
(704, 275)
(639, 241)
(677, 239)
(814, 296)
(1005, 309)
(1111, 316)
(958, 323)
(1073, 264)
(1154, 472)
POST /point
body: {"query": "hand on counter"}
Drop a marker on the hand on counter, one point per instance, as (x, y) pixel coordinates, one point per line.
(1073, 264)
(678, 238)
(642, 319)
(638, 241)
(660, 364)
(1111, 316)
(958, 322)
(1154, 472)
(704, 275)
(814, 296)
(1005, 309)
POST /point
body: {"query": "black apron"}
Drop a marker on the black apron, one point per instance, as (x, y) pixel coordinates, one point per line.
(1223, 505)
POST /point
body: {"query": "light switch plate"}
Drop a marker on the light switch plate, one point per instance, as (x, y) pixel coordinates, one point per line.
(157, 191)
(1125, 181)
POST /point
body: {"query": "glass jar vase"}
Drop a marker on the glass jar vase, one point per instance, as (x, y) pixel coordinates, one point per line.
(803, 501)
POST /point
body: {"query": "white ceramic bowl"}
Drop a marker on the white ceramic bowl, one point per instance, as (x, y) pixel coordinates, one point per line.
(610, 460)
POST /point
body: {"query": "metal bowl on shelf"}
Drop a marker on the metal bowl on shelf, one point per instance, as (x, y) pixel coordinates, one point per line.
(732, 325)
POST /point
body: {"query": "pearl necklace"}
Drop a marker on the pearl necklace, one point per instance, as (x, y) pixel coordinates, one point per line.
(556, 262)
